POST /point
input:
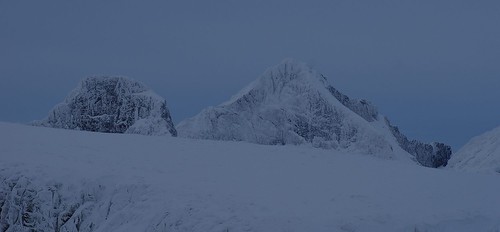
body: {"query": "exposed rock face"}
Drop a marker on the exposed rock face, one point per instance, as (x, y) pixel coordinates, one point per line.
(480, 154)
(112, 105)
(293, 104)
(430, 155)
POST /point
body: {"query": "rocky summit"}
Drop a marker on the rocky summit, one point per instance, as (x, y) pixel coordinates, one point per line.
(294, 104)
(112, 104)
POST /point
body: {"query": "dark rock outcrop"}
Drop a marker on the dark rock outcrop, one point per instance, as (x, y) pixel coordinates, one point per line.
(430, 155)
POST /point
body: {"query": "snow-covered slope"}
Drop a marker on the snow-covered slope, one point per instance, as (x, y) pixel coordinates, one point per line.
(481, 153)
(293, 104)
(66, 180)
(114, 105)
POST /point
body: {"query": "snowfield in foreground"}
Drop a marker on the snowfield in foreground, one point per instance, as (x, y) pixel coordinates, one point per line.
(62, 180)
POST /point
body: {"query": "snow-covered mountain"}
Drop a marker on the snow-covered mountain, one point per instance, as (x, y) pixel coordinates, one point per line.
(78, 181)
(114, 105)
(481, 153)
(293, 104)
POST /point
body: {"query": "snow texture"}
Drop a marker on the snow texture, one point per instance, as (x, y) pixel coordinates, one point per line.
(68, 181)
(113, 105)
(293, 104)
(481, 153)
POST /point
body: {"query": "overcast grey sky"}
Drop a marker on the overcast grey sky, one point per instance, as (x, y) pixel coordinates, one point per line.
(433, 67)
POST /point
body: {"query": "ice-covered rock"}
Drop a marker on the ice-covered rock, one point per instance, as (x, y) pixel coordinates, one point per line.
(293, 104)
(112, 104)
(481, 153)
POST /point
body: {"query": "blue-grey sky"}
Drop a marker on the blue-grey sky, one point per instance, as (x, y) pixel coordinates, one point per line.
(431, 66)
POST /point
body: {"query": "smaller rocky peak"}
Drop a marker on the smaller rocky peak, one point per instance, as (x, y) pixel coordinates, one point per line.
(113, 85)
(112, 104)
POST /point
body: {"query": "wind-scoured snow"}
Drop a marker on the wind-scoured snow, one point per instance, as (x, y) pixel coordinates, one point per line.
(67, 180)
(294, 104)
(114, 105)
(481, 153)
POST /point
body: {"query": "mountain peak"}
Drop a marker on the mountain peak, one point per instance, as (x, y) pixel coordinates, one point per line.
(289, 71)
(291, 103)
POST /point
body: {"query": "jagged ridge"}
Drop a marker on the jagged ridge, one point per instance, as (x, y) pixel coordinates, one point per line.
(430, 155)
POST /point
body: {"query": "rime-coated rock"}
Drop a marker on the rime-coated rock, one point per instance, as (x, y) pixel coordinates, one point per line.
(429, 155)
(293, 104)
(113, 105)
